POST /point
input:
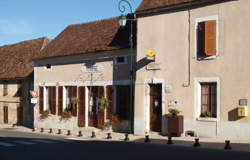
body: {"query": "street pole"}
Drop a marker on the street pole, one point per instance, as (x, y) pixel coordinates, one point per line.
(122, 9)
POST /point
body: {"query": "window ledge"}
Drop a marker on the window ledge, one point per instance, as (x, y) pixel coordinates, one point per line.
(207, 58)
(207, 119)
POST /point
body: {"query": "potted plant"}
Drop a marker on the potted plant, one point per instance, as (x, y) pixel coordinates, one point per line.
(104, 103)
(45, 114)
(206, 114)
(66, 114)
(174, 112)
(175, 122)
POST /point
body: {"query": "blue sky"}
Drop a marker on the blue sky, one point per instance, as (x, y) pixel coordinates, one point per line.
(29, 19)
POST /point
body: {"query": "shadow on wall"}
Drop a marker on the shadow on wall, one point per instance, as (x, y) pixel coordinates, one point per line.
(233, 115)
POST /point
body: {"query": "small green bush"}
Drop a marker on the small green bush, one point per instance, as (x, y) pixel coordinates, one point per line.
(173, 111)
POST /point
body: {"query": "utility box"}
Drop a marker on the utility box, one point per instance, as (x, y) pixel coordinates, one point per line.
(243, 111)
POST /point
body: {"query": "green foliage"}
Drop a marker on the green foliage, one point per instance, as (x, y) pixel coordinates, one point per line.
(45, 114)
(173, 111)
(75, 100)
(206, 114)
(104, 103)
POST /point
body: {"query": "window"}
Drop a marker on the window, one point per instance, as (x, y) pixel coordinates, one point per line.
(206, 37)
(51, 99)
(71, 98)
(208, 100)
(120, 60)
(5, 88)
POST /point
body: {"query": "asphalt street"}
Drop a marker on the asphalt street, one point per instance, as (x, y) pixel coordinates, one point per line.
(28, 146)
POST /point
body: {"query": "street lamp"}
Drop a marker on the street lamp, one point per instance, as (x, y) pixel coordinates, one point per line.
(122, 21)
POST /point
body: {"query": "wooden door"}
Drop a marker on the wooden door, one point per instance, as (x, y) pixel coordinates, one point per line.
(155, 107)
(20, 115)
(100, 112)
(5, 114)
(109, 93)
(81, 109)
(93, 102)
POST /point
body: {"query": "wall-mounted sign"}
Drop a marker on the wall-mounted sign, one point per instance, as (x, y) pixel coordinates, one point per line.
(33, 100)
(153, 66)
(34, 94)
(92, 68)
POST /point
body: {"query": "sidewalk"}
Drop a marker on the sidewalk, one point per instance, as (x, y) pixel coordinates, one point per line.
(210, 143)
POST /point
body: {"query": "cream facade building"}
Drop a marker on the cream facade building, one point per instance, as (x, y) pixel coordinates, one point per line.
(201, 66)
(86, 61)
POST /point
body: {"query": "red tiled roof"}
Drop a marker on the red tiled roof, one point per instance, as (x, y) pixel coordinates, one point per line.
(16, 59)
(153, 4)
(100, 35)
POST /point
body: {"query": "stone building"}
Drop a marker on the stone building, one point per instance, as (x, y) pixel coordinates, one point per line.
(16, 80)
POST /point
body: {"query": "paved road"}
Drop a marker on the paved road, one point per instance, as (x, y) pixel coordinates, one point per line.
(40, 148)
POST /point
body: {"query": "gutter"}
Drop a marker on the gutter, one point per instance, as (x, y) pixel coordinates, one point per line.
(178, 7)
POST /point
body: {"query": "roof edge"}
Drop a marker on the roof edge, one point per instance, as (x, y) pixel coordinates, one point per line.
(178, 7)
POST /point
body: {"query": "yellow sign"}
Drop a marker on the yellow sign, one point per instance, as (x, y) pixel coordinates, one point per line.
(243, 111)
(150, 53)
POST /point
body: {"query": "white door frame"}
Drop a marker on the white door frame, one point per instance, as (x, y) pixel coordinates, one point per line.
(147, 100)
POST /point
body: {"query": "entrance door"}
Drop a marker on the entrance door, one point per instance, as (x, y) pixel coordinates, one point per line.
(155, 107)
(5, 114)
(93, 103)
(20, 115)
(81, 109)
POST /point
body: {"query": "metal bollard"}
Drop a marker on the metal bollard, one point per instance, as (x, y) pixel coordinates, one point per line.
(59, 131)
(93, 135)
(69, 133)
(80, 134)
(50, 130)
(147, 140)
(197, 143)
(126, 137)
(170, 140)
(42, 130)
(227, 145)
(109, 136)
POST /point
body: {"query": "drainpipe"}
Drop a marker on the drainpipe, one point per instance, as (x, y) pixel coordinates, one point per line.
(189, 52)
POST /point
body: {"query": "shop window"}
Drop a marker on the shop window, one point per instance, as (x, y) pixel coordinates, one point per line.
(51, 99)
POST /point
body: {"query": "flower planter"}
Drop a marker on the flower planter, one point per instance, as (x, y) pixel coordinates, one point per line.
(175, 124)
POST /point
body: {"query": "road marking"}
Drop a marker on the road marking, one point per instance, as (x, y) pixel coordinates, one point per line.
(7, 144)
(43, 141)
(24, 142)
